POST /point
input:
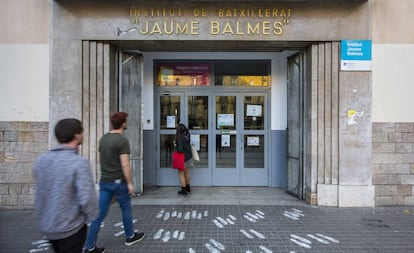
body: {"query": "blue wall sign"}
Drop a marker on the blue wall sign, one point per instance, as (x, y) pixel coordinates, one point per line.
(356, 55)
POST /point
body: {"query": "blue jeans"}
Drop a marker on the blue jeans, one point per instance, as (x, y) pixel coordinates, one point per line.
(107, 190)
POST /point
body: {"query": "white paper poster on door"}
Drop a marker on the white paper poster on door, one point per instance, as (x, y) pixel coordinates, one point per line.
(225, 120)
(225, 140)
(254, 110)
(171, 121)
(253, 141)
(195, 140)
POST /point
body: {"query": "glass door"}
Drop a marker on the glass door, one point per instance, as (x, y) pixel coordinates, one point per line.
(193, 111)
(198, 118)
(240, 140)
(254, 171)
(227, 141)
(170, 114)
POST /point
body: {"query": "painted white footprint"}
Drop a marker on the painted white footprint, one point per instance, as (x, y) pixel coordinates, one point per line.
(181, 236)
(211, 248)
(217, 244)
(302, 244)
(158, 234)
(175, 234)
(258, 234)
(266, 250)
(318, 239)
(327, 238)
(245, 233)
(166, 237)
(218, 224)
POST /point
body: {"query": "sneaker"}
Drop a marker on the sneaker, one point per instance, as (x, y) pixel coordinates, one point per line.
(96, 250)
(136, 238)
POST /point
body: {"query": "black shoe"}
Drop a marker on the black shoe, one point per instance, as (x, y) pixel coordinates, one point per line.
(136, 238)
(188, 189)
(96, 250)
(182, 192)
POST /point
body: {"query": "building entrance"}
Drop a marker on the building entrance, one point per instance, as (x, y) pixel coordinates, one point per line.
(228, 126)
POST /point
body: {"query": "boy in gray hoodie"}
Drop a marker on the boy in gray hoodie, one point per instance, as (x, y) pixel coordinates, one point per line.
(66, 198)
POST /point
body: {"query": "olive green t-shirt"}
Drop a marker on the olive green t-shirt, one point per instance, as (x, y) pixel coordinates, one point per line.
(111, 146)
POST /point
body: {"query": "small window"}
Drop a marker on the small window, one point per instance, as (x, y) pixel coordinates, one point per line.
(247, 73)
(183, 74)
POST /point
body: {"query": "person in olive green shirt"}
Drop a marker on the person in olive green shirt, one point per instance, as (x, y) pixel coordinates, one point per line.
(116, 181)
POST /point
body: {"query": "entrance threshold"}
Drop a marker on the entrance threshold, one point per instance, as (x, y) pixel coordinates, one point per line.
(217, 196)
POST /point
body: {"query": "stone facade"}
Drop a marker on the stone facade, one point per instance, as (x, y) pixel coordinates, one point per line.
(393, 163)
(20, 144)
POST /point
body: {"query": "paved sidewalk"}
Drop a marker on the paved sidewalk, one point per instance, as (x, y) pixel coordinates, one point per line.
(237, 228)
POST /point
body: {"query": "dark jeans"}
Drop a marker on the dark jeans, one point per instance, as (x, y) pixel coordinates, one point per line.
(71, 244)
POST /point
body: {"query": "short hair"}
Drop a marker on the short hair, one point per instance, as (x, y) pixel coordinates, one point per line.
(118, 118)
(66, 129)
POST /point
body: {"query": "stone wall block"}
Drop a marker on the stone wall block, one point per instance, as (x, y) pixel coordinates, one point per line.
(407, 179)
(409, 201)
(379, 137)
(386, 179)
(41, 136)
(404, 127)
(387, 158)
(403, 147)
(383, 200)
(25, 136)
(15, 189)
(27, 157)
(383, 127)
(4, 146)
(408, 158)
(16, 178)
(383, 148)
(39, 148)
(4, 126)
(390, 168)
(386, 190)
(394, 137)
(26, 200)
(412, 169)
(28, 188)
(2, 156)
(407, 137)
(21, 125)
(10, 136)
(4, 189)
(404, 190)
(389, 201)
(11, 157)
(39, 127)
(9, 200)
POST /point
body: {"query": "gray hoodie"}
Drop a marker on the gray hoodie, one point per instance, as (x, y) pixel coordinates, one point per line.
(66, 198)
